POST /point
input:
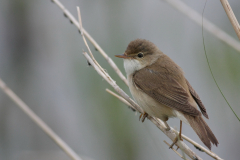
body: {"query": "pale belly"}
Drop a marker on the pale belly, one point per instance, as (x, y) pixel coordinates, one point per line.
(152, 107)
(149, 105)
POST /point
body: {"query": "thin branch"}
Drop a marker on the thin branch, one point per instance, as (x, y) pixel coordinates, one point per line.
(210, 69)
(231, 16)
(84, 39)
(210, 153)
(39, 121)
(209, 26)
(101, 51)
(113, 84)
(176, 151)
(119, 97)
(80, 22)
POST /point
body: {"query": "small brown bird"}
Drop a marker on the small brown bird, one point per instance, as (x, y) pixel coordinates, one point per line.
(158, 85)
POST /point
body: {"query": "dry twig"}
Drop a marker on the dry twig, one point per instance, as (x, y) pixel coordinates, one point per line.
(39, 121)
(210, 153)
(175, 151)
(231, 16)
(75, 22)
(209, 26)
(119, 97)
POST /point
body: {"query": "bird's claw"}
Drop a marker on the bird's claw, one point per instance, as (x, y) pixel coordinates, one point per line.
(143, 116)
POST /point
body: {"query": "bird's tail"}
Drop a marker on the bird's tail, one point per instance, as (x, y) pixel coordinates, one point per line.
(202, 129)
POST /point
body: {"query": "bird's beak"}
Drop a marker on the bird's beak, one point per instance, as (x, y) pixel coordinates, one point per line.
(122, 56)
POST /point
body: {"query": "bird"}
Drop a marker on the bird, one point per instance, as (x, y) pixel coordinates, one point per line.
(159, 87)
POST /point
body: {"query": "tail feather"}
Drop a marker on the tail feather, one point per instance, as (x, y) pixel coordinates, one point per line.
(211, 136)
(202, 129)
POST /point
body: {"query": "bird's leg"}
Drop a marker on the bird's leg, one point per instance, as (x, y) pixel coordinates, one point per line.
(179, 135)
(167, 126)
(174, 142)
(143, 116)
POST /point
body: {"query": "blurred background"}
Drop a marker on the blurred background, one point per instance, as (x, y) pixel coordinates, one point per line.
(41, 61)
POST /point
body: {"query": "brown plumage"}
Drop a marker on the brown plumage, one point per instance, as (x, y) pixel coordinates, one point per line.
(197, 99)
(158, 85)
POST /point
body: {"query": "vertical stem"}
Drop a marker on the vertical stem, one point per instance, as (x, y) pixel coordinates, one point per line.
(231, 16)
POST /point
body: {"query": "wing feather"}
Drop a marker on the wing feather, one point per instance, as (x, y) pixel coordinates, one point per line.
(165, 88)
(197, 99)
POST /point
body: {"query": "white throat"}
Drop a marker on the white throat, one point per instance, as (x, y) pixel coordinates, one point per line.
(132, 65)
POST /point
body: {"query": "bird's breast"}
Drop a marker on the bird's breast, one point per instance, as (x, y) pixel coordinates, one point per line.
(148, 104)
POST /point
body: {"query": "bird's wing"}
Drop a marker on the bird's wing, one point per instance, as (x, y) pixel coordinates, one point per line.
(165, 89)
(197, 99)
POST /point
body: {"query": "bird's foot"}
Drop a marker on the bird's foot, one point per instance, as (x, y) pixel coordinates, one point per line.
(143, 116)
(178, 137)
(174, 142)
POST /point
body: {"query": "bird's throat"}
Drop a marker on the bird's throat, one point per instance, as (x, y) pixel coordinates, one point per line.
(132, 65)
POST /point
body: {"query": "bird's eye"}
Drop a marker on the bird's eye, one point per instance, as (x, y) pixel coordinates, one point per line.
(140, 55)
